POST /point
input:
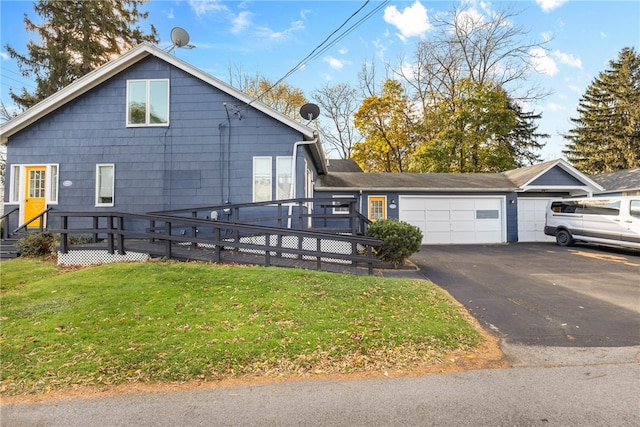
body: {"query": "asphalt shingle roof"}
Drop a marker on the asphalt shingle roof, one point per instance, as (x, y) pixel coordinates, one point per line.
(445, 182)
(624, 180)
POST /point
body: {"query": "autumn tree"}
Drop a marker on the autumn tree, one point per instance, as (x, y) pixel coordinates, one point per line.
(281, 96)
(387, 126)
(74, 38)
(606, 135)
(337, 105)
(471, 59)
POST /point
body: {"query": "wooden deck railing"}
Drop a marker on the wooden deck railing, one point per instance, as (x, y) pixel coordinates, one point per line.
(164, 232)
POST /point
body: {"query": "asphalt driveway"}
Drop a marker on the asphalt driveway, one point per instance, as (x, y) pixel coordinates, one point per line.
(543, 294)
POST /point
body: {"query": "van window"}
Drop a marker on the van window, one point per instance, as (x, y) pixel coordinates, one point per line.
(634, 209)
(565, 207)
(601, 207)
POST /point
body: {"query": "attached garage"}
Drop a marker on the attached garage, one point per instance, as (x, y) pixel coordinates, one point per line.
(462, 208)
(456, 220)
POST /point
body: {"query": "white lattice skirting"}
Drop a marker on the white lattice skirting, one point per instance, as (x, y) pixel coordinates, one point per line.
(93, 257)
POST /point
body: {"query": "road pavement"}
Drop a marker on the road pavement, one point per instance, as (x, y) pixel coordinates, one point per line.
(597, 395)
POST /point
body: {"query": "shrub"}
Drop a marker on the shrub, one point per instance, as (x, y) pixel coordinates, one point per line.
(399, 239)
(37, 244)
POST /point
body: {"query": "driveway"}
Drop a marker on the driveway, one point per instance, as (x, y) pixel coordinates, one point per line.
(543, 294)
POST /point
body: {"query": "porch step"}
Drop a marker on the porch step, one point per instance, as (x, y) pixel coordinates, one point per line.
(8, 248)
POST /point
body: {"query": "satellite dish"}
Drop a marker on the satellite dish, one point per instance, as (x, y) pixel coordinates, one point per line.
(179, 37)
(310, 111)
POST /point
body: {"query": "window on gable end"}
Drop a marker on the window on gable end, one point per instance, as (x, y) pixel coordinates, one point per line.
(147, 102)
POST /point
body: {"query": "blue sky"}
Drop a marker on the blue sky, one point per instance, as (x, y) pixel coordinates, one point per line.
(271, 37)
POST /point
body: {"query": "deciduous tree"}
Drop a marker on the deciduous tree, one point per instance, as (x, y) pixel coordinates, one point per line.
(281, 97)
(474, 132)
(337, 105)
(387, 127)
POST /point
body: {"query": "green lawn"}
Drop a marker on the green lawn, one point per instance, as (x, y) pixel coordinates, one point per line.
(169, 321)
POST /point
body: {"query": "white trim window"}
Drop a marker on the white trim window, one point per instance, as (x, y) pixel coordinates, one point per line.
(105, 184)
(283, 173)
(17, 182)
(148, 102)
(262, 178)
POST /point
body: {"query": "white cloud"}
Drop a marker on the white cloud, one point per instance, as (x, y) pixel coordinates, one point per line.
(168, 13)
(412, 21)
(542, 63)
(240, 22)
(549, 5)
(468, 19)
(335, 63)
(568, 59)
(268, 33)
(547, 35)
(204, 7)
(343, 51)
(4, 55)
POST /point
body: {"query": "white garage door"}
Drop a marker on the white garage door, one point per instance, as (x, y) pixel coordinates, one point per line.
(531, 220)
(451, 220)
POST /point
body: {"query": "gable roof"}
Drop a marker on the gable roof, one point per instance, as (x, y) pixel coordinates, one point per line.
(133, 56)
(342, 165)
(529, 175)
(623, 180)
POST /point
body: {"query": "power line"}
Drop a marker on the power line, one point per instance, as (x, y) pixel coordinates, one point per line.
(321, 48)
(24, 82)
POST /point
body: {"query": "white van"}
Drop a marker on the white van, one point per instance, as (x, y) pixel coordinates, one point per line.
(608, 221)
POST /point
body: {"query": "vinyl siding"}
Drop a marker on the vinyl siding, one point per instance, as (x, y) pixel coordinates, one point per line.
(201, 158)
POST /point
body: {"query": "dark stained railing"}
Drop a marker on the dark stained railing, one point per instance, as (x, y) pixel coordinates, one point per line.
(164, 233)
(303, 213)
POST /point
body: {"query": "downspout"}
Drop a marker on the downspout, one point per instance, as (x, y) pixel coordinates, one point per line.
(294, 178)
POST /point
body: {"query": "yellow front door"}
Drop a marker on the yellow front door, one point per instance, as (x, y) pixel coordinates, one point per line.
(377, 208)
(34, 200)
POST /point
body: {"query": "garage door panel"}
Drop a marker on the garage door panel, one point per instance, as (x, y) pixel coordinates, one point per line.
(414, 216)
(456, 220)
(438, 215)
(487, 204)
(468, 226)
(437, 204)
(466, 215)
(531, 220)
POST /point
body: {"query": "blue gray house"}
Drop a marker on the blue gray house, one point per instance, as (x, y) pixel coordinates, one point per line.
(147, 132)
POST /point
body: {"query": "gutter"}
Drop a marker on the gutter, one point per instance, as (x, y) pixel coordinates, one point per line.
(420, 189)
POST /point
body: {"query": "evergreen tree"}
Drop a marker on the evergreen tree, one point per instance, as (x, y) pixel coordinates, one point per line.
(74, 38)
(606, 136)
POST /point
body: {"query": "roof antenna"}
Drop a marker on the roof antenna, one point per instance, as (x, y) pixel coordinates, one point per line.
(179, 38)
